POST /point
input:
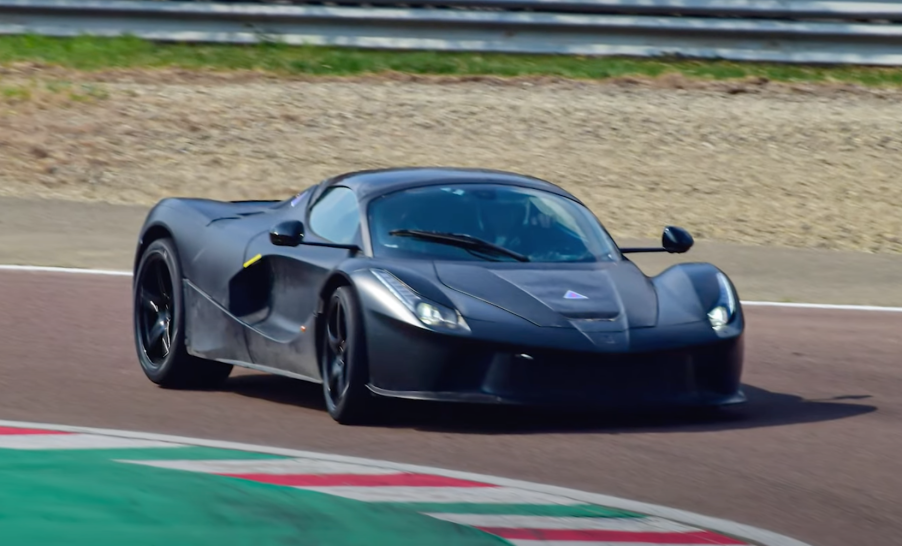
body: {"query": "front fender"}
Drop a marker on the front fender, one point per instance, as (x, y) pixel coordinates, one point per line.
(688, 291)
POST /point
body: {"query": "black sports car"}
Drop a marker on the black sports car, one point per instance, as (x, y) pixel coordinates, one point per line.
(432, 284)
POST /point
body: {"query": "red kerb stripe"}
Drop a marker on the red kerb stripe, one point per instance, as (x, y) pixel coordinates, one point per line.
(10, 431)
(697, 537)
(359, 480)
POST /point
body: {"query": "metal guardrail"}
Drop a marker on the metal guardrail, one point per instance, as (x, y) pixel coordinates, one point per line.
(771, 9)
(793, 31)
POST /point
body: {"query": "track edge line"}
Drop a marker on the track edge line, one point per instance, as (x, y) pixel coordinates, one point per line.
(800, 305)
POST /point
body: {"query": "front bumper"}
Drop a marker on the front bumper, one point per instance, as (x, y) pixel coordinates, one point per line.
(412, 363)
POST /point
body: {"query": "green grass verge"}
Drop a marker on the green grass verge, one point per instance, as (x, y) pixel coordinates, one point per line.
(104, 53)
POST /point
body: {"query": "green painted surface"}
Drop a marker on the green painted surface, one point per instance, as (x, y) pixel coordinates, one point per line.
(84, 497)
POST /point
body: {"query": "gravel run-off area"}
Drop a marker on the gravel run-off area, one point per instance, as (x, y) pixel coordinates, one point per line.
(755, 163)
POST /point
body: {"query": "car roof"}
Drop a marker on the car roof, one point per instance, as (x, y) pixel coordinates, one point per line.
(372, 183)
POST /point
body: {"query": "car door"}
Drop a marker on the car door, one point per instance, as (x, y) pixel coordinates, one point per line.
(281, 333)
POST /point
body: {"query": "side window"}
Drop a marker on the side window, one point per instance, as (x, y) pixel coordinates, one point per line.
(336, 216)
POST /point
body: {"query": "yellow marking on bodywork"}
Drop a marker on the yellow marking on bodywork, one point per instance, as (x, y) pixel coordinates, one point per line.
(252, 260)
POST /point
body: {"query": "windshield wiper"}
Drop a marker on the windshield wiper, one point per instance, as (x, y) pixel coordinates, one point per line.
(459, 240)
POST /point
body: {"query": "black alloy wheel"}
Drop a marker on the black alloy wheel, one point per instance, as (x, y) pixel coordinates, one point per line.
(155, 310)
(159, 324)
(336, 344)
(343, 361)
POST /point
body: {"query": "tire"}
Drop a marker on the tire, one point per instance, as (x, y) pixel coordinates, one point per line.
(159, 316)
(343, 361)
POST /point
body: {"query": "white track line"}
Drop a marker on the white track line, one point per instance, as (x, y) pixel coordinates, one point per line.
(275, 467)
(647, 525)
(825, 306)
(746, 532)
(49, 269)
(75, 441)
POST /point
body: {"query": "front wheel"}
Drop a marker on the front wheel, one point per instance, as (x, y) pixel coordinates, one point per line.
(160, 326)
(343, 361)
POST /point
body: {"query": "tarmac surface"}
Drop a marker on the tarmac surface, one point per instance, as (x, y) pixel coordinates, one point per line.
(814, 455)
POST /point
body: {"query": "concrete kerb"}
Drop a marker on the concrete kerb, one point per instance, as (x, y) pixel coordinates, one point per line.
(743, 531)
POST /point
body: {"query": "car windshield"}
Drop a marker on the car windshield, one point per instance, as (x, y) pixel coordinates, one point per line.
(538, 225)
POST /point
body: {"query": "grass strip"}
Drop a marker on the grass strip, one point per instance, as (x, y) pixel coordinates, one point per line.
(94, 54)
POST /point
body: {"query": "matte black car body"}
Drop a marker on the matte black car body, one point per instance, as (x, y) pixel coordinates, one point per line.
(641, 341)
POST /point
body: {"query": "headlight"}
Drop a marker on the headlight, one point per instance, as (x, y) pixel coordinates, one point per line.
(719, 317)
(428, 312)
(725, 308)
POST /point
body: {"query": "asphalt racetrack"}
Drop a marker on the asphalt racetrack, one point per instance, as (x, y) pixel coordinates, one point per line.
(814, 455)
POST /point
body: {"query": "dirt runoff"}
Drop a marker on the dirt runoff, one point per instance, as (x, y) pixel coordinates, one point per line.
(754, 163)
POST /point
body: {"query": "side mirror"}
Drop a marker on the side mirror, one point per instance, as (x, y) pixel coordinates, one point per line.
(290, 233)
(676, 240)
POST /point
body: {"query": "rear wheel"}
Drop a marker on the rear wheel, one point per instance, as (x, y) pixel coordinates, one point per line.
(160, 327)
(343, 361)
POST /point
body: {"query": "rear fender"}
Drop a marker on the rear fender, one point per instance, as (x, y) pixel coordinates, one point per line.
(174, 218)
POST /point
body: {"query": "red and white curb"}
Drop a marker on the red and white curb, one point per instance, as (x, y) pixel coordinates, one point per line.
(385, 482)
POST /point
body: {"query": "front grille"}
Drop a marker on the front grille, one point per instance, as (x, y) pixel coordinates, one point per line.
(617, 377)
(610, 375)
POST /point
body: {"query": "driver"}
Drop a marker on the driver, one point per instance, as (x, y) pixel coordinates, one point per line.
(544, 235)
(503, 220)
(515, 223)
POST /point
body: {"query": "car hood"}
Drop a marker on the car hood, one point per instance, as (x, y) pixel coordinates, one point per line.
(606, 296)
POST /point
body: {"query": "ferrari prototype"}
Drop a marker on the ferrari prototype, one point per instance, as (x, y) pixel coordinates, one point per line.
(457, 285)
